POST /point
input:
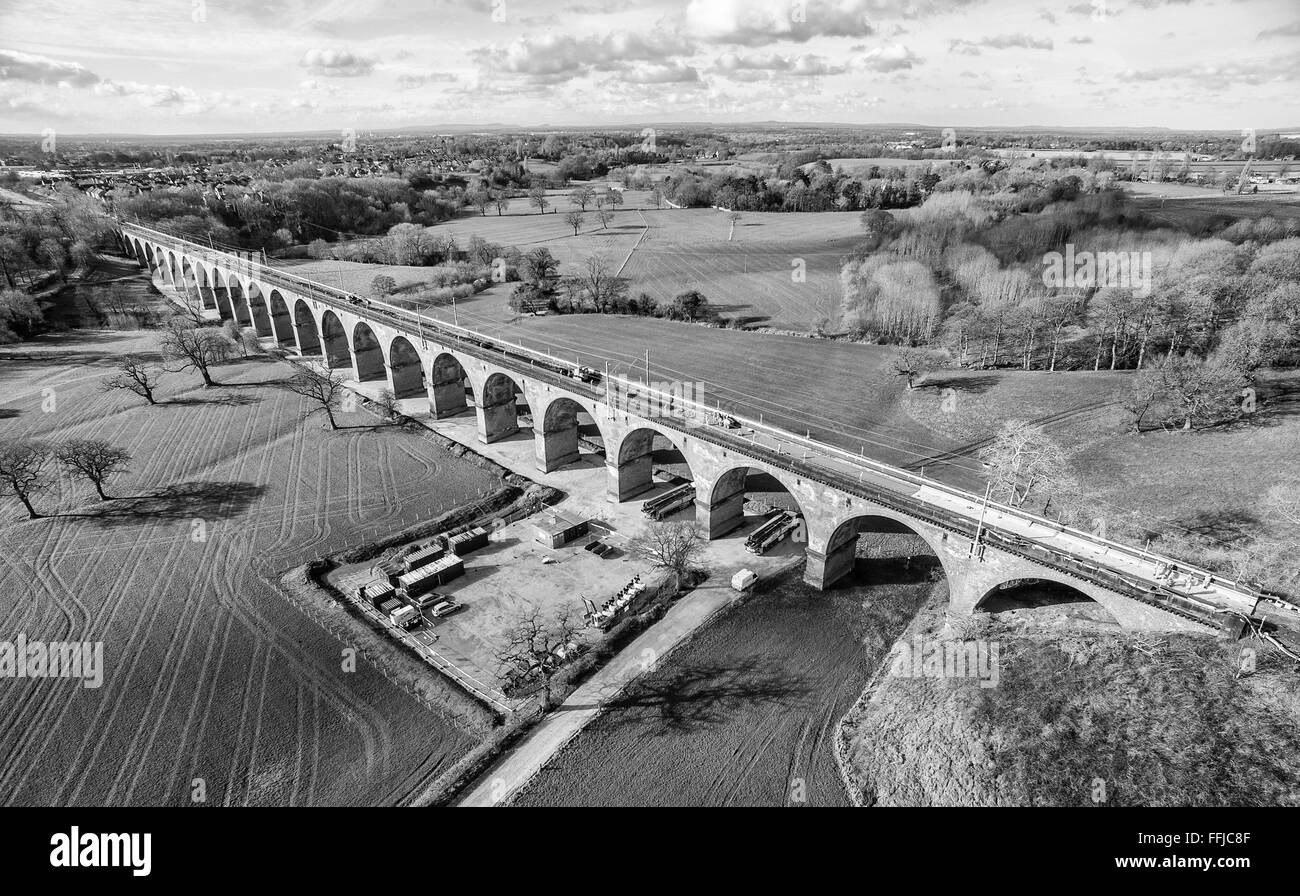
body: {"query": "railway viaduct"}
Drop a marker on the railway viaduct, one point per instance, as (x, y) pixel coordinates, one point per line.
(378, 345)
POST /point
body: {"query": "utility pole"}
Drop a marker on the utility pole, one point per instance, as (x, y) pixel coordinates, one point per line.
(979, 529)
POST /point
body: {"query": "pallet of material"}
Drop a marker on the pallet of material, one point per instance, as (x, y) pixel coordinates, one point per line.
(423, 557)
(467, 541)
(426, 578)
(378, 591)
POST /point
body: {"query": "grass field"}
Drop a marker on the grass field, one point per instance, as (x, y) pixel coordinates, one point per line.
(745, 713)
(210, 672)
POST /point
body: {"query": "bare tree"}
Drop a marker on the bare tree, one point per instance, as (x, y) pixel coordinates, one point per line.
(134, 375)
(604, 216)
(24, 471)
(386, 401)
(538, 199)
(196, 349)
(574, 220)
(582, 196)
(97, 461)
(911, 363)
(533, 646)
(673, 547)
(325, 390)
(502, 202)
(1024, 462)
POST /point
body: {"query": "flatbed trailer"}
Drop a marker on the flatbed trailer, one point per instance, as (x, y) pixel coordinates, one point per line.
(669, 502)
(777, 527)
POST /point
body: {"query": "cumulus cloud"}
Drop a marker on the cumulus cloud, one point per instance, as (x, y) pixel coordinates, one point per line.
(15, 66)
(336, 63)
(757, 22)
(675, 72)
(555, 57)
(891, 58)
(164, 96)
(807, 65)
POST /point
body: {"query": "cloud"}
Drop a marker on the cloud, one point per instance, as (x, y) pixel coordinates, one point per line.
(891, 58)
(806, 66)
(164, 96)
(1000, 42)
(15, 66)
(336, 63)
(754, 23)
(555, 57)
(1212, 76)
(1292, 30)
(408, 79)
(1085, 39)
(675, 72)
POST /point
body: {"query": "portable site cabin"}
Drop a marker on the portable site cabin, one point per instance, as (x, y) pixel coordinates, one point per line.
(558, 530)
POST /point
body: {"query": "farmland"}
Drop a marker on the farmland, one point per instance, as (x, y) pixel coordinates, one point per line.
(743, 714)
(211, 675)
(779, 270)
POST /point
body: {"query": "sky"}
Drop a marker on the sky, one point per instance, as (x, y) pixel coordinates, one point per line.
(214, 66)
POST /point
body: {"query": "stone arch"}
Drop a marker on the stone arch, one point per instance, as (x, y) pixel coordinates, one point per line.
(257, 307)
(743, 497)
(448, 386)
(406, 369)
(281, 320)
(335, 338)
(191, 284)
(833, 554)
(367, 354)
(239, 307)
(304, 325)
(225, 298)
(1048, 589)
(567, 426)
(633, 461)
(498, 408)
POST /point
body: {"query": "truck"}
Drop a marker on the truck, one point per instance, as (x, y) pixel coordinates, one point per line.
(405, 617)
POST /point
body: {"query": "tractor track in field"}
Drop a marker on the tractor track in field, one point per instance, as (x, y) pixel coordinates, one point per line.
(972, 448)
(174, 684)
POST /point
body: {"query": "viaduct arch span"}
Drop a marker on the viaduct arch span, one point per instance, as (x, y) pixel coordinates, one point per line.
(981, 547)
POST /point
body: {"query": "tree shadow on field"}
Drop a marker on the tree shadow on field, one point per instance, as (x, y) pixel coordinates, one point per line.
(1222, 524)
(702, 696)
(216, 399)
(974, 385)
(181, 502)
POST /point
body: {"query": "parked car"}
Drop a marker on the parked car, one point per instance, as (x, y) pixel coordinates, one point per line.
(446, 608)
